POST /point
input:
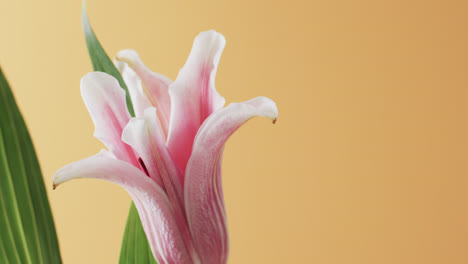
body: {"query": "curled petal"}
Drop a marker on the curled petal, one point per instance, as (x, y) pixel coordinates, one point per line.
(193, 95)
(136, 135)
(145, 136)
(203, 194)
(135, 87)
(105, 100)
(152, 203)
(153, 85)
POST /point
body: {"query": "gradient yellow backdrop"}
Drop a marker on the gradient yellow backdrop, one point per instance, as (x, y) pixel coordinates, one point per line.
(368, 162)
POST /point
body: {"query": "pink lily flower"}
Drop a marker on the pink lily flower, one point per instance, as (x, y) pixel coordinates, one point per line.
(168, 157)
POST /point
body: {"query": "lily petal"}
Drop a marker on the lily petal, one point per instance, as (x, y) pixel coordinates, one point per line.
(105, 100)
(132, 80)
(154, 85)
(203, 197)
(193, 95)
(152, 203)
(136, 135)
(145, 136)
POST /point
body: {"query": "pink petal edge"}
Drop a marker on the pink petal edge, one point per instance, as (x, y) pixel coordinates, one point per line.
(153, 85)
(193, 95)
(105, 101)
(203, 194)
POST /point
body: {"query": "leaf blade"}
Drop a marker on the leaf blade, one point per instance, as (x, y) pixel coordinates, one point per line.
(26, 229)
(134, 241)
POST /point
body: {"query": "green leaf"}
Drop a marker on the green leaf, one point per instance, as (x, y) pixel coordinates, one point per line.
(99, 58)
(135, 248)
(27, 232)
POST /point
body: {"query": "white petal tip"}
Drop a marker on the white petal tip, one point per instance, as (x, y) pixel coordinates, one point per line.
(211, 35)
(56, 184)
(128, 56)
(130, 131)
(210, 40)
(56, 180)
(61, 176)
(92, 79)
(265, 107)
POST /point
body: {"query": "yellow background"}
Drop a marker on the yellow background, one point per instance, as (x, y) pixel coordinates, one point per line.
(368, 162)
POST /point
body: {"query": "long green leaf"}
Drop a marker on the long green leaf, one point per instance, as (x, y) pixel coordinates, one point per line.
(134, 242)
(27, 232)
(135, 248)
